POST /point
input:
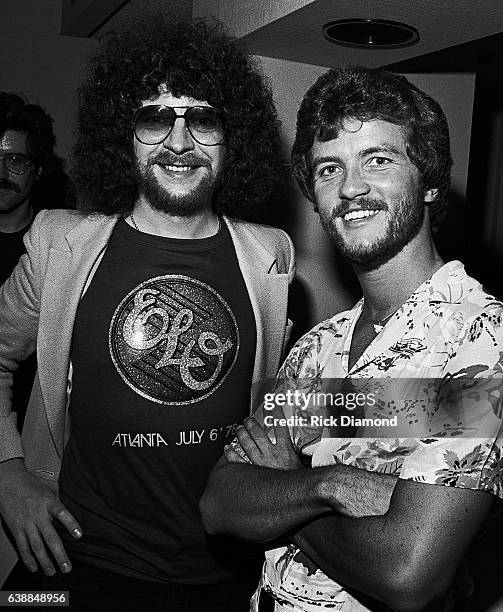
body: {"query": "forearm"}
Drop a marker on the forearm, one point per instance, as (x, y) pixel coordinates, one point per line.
(260, 504)
(358, 552)
(355, 492)
(405, 557)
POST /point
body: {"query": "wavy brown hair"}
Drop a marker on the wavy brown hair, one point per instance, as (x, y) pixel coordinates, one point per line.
(365, 94)
(194, 59)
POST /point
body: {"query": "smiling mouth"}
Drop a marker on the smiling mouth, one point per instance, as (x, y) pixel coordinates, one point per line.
(178, 168)
(359, 214)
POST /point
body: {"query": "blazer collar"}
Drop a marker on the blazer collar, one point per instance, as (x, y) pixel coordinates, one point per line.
(249, 246)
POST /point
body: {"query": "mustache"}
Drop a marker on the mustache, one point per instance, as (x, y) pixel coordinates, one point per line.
(362, 204)
(168, 159)
(5, 184)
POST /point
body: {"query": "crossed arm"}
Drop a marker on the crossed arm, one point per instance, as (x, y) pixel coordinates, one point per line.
(275, 493)
(396, 540)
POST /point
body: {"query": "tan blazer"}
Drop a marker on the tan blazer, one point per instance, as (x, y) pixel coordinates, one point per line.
(38, 305)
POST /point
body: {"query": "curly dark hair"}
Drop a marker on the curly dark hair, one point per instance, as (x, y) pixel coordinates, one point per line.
(53, 188)
(194, 59)
(362, 93)
(17, 115)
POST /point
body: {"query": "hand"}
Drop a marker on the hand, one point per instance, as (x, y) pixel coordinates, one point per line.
(260, 450)
(29, 507)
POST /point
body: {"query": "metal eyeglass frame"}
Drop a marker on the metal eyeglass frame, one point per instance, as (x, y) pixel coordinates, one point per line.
(4, 159)
(219, 112)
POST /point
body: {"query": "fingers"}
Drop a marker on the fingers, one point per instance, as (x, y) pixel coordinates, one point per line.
(244, 435)
(38, 549)
(61, 513)
(280, 428)
(25, 551)
(232, 456)
(260, 450)
(257, 432)
(29, 506)
(67, 519)
(56, 548)
(39, 543)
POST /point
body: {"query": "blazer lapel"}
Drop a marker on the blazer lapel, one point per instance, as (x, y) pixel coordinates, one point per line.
(268, 293)
(70, 262)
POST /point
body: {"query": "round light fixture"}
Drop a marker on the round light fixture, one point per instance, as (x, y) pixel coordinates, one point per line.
(370, 33)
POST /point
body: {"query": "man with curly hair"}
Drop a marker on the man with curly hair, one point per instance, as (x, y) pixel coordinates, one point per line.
(31, 178)
(27, 165)
(155, 309)
(395, 493)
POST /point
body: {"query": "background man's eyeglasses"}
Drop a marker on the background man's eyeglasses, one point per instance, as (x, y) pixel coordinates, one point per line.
(17, 163)
(153, 123)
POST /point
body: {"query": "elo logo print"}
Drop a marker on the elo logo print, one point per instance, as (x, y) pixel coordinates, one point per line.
(173, 339)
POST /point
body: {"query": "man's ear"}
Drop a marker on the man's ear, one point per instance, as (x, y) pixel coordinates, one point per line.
(430, 195)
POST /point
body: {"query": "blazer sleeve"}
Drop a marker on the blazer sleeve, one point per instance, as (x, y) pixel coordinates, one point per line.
(19, 316)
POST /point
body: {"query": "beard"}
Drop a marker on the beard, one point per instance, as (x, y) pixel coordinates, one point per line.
(160, 198)
(404, 225)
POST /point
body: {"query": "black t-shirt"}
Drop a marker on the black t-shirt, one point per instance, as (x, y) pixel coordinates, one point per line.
(11, 249)
(163, 351)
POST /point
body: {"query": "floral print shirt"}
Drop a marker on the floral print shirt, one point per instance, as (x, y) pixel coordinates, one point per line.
(448, 329)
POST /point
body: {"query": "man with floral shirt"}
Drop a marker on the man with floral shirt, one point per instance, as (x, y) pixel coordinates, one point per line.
(377, 519)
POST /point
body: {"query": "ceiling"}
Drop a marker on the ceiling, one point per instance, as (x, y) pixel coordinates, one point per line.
(455, 35)
(441, 24)
(136, 10)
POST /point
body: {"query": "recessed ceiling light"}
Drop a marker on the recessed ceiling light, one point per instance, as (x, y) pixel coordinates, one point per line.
(370, 33)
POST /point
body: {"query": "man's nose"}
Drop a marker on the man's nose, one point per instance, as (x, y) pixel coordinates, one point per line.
(3, 169)
(179, 139)
(353, 184)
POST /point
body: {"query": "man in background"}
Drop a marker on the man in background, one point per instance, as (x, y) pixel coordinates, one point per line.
(27, 164)
(31, 178)
(382, 517)
(162, 308)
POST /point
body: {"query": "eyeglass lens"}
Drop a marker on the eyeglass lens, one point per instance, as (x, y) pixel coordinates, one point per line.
(154, 123)
(15, 162)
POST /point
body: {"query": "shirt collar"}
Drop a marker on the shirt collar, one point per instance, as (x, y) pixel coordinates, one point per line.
(448, 285)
